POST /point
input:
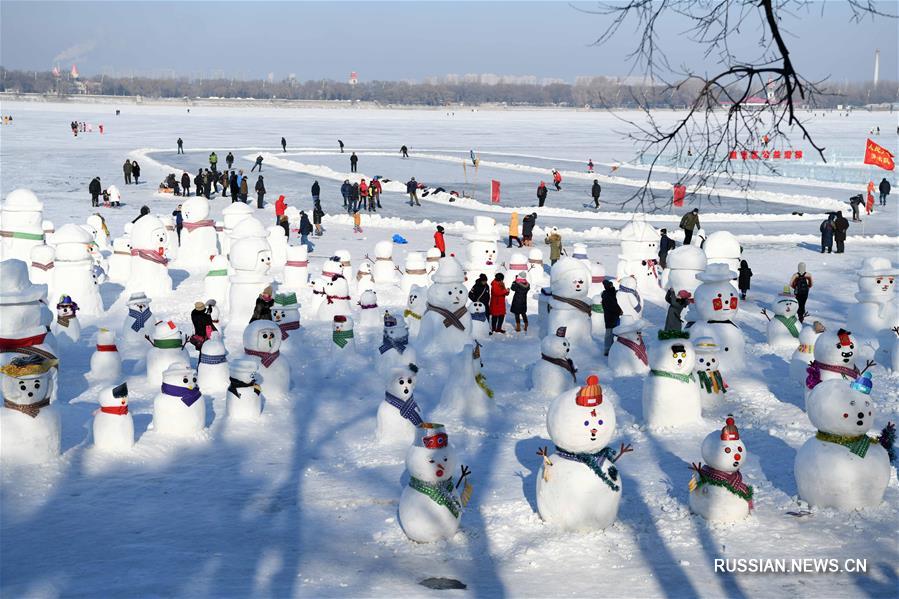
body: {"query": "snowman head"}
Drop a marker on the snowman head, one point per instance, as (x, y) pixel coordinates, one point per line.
(556, 346)
(337, 287)
(331, 268)
(448, 295)
(570, 278)
(318, 287)
(66, 307)
(431, 458)
(417, 294)
(395, 328)
(401, 383)
(836, 348)
(139, 301)
(195, 209)
(243, 370)
(716, 300)
(114, 397)
(840, 409)
(674, 355)
(262, 335)
(149, 233)
(27, 380)
(724, 450)
(364, 270)
(251, 254)
(582, 420)
(477, 308)
(179, 375)
(706, 354)
(877, 278)
(786, 306)
(368, 298)
(166, 329)
(342, 323)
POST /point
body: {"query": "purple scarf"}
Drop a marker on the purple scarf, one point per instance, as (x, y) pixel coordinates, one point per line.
(188, 396)
(815, 368)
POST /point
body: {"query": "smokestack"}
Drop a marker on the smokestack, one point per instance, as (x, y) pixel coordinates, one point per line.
(876, 66)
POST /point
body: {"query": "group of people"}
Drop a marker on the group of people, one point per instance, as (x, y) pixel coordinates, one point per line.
(358, 196)
(833, 229)
(493, 296)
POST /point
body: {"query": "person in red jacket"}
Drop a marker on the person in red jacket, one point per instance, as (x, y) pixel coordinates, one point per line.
(498, 293)
(376, 191)
(557, 180)
(439, 242)
(280, 216)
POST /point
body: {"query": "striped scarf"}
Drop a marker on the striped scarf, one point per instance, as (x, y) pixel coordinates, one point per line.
(638, 348)
(814, 372)
(732, 481)
(22, 235)
(188, 396)
(44, 267)
(575, 303)
(684, 378)
(441, 493)
(712, 381)
(64, 321)
(198, 224)
(397, 344)
(408, 409)
(566, 363)
(31, 409)
(267, 358)
(790, 323)
(140, 318)
(594, 462)
(639, 307)
(857, 445)
(288, 326)
(450, 319)
(212, 360)
(150, 256)
(341, 338)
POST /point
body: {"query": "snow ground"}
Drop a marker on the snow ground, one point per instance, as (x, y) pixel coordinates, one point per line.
(304, 503)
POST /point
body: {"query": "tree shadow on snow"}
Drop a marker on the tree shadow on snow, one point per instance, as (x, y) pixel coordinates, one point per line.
(526, 454)
(777, 461)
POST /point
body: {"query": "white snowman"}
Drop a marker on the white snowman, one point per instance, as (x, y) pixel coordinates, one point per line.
(445, 323)
(106, 363)
(480, 325)
(432, 259)
(171, 236)
(841, 467)
(149, 264)
(482, 251)
(244, 399)
(466, 395)
(232, 215)
(708, 374)
(716, 304)
(579, 486)
(876, 308)
(783, 329)
(100, 231)
(113, 425)
(804, 354)
(296, 268)
(29, 423)
(537, 275)
(21, 224)
(579, 252)
(415, 272)
(639, 257)
(597, 276)
(670, 393)
(212, 365)
(250, 260)
(717, 490)
(179, 409)
(43, 261)
(346, 264)
(277, 240)
(629, 298)
(887, 354)
(286, 314)
(722, 247)
(120, 260)
(682, 265)
(383, 271)
(262, 341)
(215, 283)
(555, 371)
(364, 280)
(399, 413)
(394, 350)
(369, 312)
(415, 307)
(66, 327)
(337, 299)
(517, 264)
(139, 321)
(628, 356)
(836, 357)
(73, 269)
(569, 305)
(430, 507)
(168, 349)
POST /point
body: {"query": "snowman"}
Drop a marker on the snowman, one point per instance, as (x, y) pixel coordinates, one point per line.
(394, 350)
(21, 224)
(466, 394)
(670, 394)
(432, 259)
(445, 323)
(29, 424)
(232, 215)
(627, 356)
(167, 350)
(716, 303)
(212, 365)
(364, 280)
(415, 307)
(66, 325)
(836, 357)
(244, 399)
(215, 283)
(171, 237)
(99, 230)
(629, 298)
(383, 271)
(579, 252)
(296, 268)
(115, 196)
(342, 338)
(639, 258)
(73, 269)
(346, 264)
(399, 414)
(370, 314)
(708, 376)
(113, 425)
(568, 305)
(277, 240)
(804, 354)
(555, 370)
(783, 329)
(331, 268)
(286, 314)
(481, 252)
(415, 272)
(722, 247)
(120, 260)
(337, 299)
(138, 323)
(717, 490)
(682, 266)
(537, 276)
(50, 229)
(430, 506)
(179, 409)
(597, 276)
(480, 327)
(250, 260)
(41, 265)
(887, 354)
(876, 309)
(262, 341)
(518, 264)
(106, 363)
(579, 486)
(841, 467)
(149, 265)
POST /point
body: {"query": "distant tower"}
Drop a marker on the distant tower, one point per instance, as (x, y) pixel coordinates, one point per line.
(354, 78)
(770, 92)
(876, 66)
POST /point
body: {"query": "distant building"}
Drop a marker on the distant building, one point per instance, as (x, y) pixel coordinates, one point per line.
(354, 78)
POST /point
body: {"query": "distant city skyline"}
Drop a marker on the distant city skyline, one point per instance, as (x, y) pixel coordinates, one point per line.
(523, 42)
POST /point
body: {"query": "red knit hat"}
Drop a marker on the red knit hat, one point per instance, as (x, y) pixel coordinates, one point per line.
(730, 432)
(590, 395)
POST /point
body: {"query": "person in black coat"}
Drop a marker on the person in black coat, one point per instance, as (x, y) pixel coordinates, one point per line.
(527, 228)
(316, 191)
(520, 289)
(840, 226)
(541, 194)
(201, 318)
(185, 183)
(260, 193)
(95, 189)
(317, 214)
(595, 191)
(884, 189)
(677, 303)
(283, 145)
(305, 230)
(611, 312)
(666, 244)
(354, 160)
(135, 171)
(235, 188)
(229, 160)
(744, 279)
(480, 291)
(179, 222)
(354, 197)
(180, 146)
(263, 308)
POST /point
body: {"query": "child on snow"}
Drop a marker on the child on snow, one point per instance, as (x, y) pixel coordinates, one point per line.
(357, 222)
(520, 289)
(743, 280)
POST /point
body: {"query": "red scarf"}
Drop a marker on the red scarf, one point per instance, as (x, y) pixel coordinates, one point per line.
(297, 263)
(637, 348)
(331, 298)
(198, 224)
(151, 256)
(107, 348)
(266, 358)
(117, 410)
(8, 344)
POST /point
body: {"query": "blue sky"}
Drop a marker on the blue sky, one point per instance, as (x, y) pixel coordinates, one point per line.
(392, 40)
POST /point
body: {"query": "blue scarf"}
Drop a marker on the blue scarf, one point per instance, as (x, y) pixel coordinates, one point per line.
(212, 360)
(397, 344)
(639, 307)
(594, 462)
(188, 396)
(140, 318)
(408, 409)
(481, 317)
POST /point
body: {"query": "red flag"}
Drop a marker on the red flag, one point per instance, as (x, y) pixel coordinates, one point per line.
(680, 191)
(494, 191)
(878, 156)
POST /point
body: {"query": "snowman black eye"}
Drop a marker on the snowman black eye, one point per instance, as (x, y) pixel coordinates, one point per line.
(727, 450)
(740, 449)
(37, 384)
(599, 422)
(851, 346)
(184, 379)
(719, 295)
(195, 379)
(431, 461)
(22, 386)
(586, 423)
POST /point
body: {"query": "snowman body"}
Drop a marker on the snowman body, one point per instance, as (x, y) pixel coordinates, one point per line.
(718, 503)
(137, 324)
(383, 271)
(66, 327)
(804, 353)
(639, 256)
(398, 414)
(875, 309)
(438, 333)
(682, 265)
(481, 253)
(416, 304)
(369, 312)
(625, 361)
(120, 260)
(422, 519)
(277, 240)
(171, 237)
(106, 363)
(73, 270)
(26, 439)
(548, 378)
(480, 327)
(250, 261)
(463, 397)
(629, 298)
(670, 394)
(569, 306)
(783, 329)
(336, 300)
(179, 410)
(364, 280)
(21, 218)
(836, 357)
(215, 283)
(296, 269)
(244, 399)
(414, 273)
(395, 351)
(716, 305)
(113, 425)
(149, 270)
(168, 349)
(709, 378)
(199, 240)
(537, 275)
(262, 343)
(43, 261)
(212, 365)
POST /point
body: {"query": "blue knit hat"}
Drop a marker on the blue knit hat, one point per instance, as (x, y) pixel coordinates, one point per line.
(863, 383)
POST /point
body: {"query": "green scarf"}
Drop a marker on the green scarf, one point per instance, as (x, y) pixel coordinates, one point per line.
(481, 380)
(596, 308)
(790, 323)
(22, 235)
(684, 378)
(857, 445)
(441, 493)
(341, 338)
(708, 381)
(167, 343)
(221, 272)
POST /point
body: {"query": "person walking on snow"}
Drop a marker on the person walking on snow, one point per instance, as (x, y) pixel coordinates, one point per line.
(689, 223)
(513, 230)
(283, 145)
(363, 194)
(480, 291)
(126, 168)
(869, 202)
(590, 165)
(611, 312)
(884, 189)
(412, 190)
(260, 193)
(213, 160)
(826, 229)
(354, 197)
(180, 146)
(244, 189)
(541, 194)
(666, 244)
(135, 172)
(840, 226)
(856, 201)
(527, 229)
(257, 164)
(316, 191)
(376, 191)
(340, 143)
(404, 151)
(557, 180)
(280, 209)
(595, 191)
(95, 190)
(801, 283)
(179, 222)
(229, 160)
(554, 241)
(317, 214)
(744, 279)
(354, 161)
(498, 293)
(305, 231)
(439, 241)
